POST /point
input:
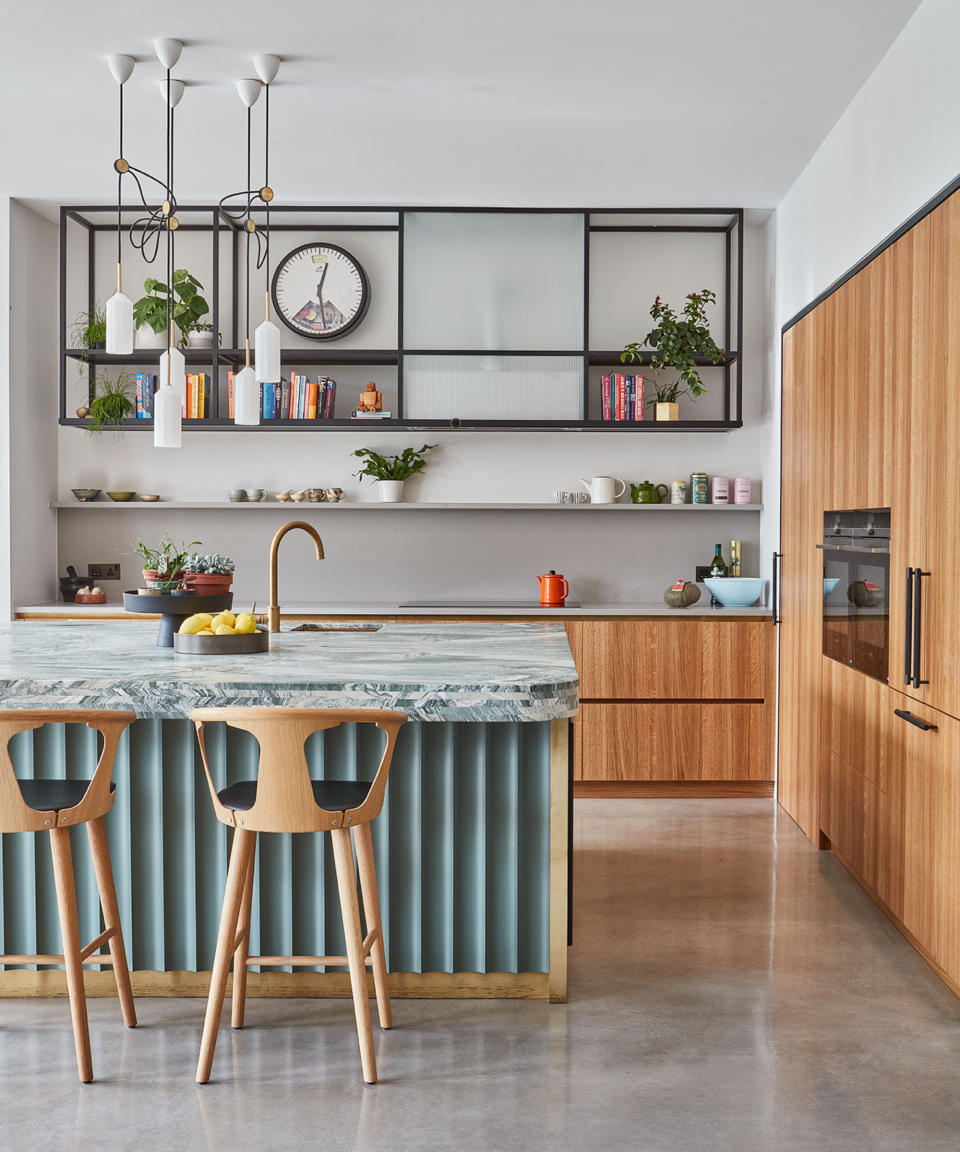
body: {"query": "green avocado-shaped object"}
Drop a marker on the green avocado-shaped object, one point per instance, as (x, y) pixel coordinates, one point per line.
(682, 594)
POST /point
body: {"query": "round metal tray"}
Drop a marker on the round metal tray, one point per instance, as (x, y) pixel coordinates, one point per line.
(192, 645)
(174, 610)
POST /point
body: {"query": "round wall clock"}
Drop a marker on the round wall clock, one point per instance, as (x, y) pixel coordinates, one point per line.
(320, 291)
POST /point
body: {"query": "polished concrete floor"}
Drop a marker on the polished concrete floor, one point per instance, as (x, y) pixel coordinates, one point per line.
(732, 990)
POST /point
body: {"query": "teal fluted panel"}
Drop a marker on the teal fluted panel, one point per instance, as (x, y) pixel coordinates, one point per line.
(462, 847)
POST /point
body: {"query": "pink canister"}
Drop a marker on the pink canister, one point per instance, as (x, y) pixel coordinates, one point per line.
(742, 490)
(720, 490)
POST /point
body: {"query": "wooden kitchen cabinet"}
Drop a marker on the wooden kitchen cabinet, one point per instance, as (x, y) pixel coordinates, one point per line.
(674, 742)
(673, 659)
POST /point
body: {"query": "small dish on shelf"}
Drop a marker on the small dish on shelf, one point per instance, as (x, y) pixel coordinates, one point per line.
(121, 497)
(297, 497)
(86, 494)
(148, 497)
(237, 495)
(283, 497)
(735, 591)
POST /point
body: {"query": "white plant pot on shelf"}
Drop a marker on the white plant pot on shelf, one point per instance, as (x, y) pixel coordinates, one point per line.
(147, 338)
(390, 490)
(200, 339)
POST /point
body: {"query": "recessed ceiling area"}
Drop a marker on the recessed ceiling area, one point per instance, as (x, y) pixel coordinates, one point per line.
(528, 102)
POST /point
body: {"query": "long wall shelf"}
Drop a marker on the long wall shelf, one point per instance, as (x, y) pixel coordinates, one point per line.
(384, 506)
(428, 366)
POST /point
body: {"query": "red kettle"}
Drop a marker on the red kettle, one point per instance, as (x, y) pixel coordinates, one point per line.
(553, 589)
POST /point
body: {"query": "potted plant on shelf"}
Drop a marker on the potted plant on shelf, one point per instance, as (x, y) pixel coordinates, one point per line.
(677, 342)
(89, 330)
(150, 312)
(209, 575)
(112, 403)
(390, 472)
(163, 565)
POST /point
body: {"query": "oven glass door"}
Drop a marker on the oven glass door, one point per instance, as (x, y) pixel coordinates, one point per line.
(856, 587)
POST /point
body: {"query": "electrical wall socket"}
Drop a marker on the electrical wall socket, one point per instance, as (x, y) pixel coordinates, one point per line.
(702, 571)
(103, 571)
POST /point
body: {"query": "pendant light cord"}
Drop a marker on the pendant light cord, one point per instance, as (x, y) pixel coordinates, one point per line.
(120, 185)
(266, 175)
(169, 232)
(247, 281)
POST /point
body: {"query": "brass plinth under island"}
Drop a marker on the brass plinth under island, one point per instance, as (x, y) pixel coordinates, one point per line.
(274, 610)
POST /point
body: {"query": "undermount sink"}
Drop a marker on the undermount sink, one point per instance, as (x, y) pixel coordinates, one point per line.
(346, 627)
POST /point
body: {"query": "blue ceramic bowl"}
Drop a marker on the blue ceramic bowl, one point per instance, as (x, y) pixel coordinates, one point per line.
(735, 591)
(829, 583)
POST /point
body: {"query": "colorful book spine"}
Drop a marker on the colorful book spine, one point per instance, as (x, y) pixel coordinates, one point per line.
(139, 395)
(268, 408)
(606, 409)
(312, 400)
(230, 394)
(620, 406)
(328, 407)
(321, 395)
(285, 399)
(638, 410)
(630, 398)
(149, 388)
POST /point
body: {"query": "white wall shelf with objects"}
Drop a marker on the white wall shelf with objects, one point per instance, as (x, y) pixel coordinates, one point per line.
(482, 319)
(384, 506)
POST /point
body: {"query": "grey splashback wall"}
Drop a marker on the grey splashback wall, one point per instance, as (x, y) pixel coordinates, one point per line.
(399, 555)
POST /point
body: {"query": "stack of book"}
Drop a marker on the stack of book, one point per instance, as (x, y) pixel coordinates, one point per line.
(622, 397)
(196, 402)
(295, 399)
(147, 384)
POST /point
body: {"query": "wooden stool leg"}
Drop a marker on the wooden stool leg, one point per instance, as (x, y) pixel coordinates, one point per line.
(100, 850)
(70, 935)
(371, 908)
(243, 949)
(350, 911)
(243, 842)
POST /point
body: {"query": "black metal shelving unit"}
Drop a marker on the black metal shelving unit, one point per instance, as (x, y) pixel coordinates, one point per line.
(296, 218)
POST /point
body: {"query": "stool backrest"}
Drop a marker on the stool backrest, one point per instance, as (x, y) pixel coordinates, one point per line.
(15, 815)
(285, 801)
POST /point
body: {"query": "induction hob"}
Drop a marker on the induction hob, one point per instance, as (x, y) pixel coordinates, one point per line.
(485, 604)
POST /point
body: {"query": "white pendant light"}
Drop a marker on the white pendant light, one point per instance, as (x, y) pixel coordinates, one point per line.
(173, 371)
(167, 425)
(246, 397)
(267, 349)
(119, 322)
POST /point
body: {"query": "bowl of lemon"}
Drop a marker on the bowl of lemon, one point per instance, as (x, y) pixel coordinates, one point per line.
(224, 634)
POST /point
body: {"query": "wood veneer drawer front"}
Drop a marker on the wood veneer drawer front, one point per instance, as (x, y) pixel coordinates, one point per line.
(850, 814)
(674, 742)
(673, 659)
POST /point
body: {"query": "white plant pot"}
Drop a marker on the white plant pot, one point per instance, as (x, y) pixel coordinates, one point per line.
(147, 338)
(390, 490)
(199, 339)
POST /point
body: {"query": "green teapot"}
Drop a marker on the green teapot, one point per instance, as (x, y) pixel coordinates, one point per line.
(647, 493)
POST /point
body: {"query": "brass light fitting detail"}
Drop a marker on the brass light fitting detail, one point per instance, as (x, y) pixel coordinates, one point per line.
(120, 165)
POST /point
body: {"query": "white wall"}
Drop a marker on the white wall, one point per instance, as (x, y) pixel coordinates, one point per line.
(894, 147)
(380, 556)
(6, 594)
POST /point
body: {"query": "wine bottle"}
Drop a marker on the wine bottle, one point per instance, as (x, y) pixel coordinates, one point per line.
(718, 566)
(734, 567)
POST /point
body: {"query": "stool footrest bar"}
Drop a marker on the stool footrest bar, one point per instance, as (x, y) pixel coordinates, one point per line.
(46, 959)
(301, 961)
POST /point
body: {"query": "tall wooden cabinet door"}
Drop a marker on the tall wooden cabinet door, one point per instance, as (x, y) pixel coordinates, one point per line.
(931, 835)
(929, 499)
(805, 372)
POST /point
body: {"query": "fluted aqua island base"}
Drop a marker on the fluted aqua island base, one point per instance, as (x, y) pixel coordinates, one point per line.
(471, 845)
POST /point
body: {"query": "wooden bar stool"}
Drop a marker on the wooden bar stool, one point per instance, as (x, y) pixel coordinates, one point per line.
(54, 806)
(283, 798)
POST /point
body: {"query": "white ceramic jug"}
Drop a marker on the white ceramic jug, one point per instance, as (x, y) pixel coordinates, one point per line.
(603, 489)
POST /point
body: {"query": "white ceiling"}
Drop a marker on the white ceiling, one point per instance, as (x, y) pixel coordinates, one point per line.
(534, 102)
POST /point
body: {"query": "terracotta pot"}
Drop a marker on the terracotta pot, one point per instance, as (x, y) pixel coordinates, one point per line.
(152, 574)
(208, 583)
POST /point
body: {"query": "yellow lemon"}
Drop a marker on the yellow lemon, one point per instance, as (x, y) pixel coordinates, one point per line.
(204, 632)
(193, 624)
(223, 630)
(245, 624)
(224, 617)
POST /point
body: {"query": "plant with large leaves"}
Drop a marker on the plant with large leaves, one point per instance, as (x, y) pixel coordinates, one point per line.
(187, 303)
(682, 342)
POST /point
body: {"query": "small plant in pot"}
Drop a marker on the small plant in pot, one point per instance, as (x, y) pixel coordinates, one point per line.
(390, 472)
(188, 305)
(209, 575)
(111, 404)
(163, 565)
(89, 330)
(681, 342)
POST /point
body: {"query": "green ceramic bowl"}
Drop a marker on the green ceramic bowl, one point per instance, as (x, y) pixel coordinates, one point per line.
(86, 494)
(121, 497)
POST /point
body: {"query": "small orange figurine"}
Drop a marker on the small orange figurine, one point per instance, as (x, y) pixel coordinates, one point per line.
(370, 400)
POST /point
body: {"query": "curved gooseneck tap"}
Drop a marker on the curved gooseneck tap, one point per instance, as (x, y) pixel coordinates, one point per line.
(274, 614)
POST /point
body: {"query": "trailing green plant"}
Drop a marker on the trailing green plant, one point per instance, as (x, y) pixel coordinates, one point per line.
(210, 565)
(166, 559)
(89, 330)
(112, 403)
(187, 303)
(400, 467)
(677, 341)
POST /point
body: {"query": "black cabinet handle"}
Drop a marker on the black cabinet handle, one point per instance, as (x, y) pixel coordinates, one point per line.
(914, 720)
(775, 590)
(917, 619)
(908, 631)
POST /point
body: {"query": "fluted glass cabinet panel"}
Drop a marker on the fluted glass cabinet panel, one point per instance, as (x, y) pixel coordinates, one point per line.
(493, 280)
(493, 388)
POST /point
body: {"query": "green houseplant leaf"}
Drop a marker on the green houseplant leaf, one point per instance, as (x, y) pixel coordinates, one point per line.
(677, 341)
(400, 467)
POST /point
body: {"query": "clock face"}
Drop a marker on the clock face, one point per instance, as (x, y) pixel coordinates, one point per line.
(320, 291)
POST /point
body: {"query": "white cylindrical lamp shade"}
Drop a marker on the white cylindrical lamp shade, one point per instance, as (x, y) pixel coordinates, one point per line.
(246, 397)
(173, 371)
(167, 426)
(119, 325)
(267, 352)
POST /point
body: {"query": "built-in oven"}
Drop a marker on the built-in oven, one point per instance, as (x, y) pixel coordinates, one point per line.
(856, 588)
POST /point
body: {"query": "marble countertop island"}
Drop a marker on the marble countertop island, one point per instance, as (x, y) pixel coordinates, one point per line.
(436, 672)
